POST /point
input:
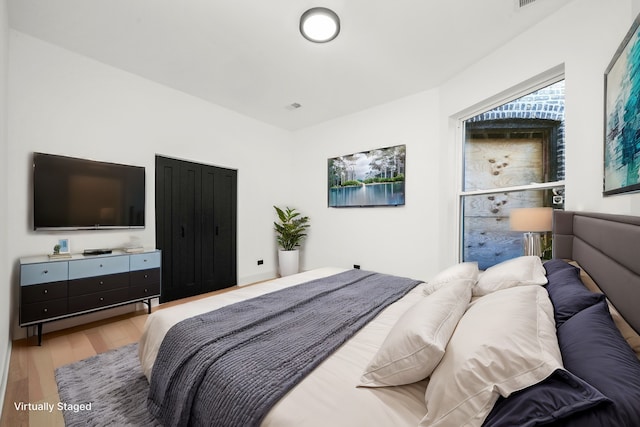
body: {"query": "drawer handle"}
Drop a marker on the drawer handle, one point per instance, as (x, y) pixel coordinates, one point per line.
(101, 299)
(45, 272)
(46, 291)
(100, 265)
(101, 282)
(146, 276)
(146, 291)
(45, 310)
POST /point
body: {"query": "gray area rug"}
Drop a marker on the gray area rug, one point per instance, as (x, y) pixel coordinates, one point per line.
(113, 383)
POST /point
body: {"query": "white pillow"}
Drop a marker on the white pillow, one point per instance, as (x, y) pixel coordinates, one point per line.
(524, 270)
(505, 342)
(418, 340)
(463, 270)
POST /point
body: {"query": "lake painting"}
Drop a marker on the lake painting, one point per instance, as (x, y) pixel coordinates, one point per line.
(369, 178)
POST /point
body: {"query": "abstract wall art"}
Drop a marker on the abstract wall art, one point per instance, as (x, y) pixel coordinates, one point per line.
(622, 117)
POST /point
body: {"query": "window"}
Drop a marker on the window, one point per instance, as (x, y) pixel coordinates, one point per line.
(513, 158)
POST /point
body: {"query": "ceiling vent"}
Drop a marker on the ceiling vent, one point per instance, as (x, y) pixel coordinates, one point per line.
(293, 106)
(523, 3)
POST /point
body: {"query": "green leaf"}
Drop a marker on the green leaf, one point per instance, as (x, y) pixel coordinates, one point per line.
(291, 229)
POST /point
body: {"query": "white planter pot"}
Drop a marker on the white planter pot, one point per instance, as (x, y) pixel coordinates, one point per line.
(288, 261)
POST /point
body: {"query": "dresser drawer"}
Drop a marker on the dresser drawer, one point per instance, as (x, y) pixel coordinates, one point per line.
(90, 285)
(97, 300)
(98, 266)
(43, 310)
(145, 261)
(145, 277)
(33, 274)
(136, 292)
(43, 292)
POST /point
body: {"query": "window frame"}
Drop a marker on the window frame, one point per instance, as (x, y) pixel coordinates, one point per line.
(527, 87)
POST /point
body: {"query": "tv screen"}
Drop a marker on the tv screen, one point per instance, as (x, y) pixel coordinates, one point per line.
(78, 194)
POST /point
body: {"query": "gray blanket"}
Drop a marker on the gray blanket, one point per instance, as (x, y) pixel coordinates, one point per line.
(228, 367)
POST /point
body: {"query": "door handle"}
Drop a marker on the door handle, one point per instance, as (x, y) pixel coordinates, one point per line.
(182, 230)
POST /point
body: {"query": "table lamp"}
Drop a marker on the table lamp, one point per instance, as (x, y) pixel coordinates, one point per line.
(532, 221)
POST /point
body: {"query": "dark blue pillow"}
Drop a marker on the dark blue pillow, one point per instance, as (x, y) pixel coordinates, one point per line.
(593, 349)
(557, 265)
(566, 291)
(558, 397)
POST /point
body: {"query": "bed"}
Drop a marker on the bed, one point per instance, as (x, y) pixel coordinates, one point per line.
(391, 373)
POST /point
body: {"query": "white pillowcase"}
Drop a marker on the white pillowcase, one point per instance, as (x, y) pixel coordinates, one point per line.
(418, 340)
(505, 342)
(524, 270)
(464, 270)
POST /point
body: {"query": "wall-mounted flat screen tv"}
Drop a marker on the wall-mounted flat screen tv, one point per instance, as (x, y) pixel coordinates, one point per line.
(369, 178)
(79, 194)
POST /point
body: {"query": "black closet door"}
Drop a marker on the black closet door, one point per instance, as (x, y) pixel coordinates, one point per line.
(224, 211)
(195, 227)
(208, 229)
(188, 226)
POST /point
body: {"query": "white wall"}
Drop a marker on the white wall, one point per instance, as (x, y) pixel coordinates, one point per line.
(5, 282)
(63, 103)
(396, 240)
(420, 238)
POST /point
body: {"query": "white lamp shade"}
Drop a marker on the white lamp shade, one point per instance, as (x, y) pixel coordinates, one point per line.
(531, 219)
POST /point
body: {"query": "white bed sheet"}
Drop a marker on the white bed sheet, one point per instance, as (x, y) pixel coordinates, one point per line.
(328, 396)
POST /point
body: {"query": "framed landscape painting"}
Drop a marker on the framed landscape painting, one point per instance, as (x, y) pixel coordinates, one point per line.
(622, 117)
(368, 178)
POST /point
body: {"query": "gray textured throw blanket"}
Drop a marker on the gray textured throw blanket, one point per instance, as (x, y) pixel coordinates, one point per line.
(228, 367)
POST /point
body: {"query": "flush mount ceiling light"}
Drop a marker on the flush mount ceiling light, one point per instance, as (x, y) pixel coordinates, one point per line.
(319, 25)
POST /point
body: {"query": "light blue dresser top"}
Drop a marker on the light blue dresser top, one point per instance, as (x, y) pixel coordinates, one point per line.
(42, 269)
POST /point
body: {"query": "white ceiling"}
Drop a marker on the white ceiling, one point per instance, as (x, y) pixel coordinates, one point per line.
(248, 55)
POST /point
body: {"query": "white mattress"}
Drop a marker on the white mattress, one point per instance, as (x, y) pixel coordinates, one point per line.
(328, 396)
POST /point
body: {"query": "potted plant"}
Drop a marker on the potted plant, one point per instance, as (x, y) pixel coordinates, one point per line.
(290, 231)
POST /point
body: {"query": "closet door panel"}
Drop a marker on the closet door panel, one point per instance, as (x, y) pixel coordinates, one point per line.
(225, 228)
(208, 229)
(189, 243)
(167, 224)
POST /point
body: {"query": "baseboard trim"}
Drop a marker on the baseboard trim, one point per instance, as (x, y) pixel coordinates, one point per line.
(249, 280)
(5, 373)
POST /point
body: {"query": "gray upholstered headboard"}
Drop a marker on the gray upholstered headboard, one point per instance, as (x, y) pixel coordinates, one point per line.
(608, 248)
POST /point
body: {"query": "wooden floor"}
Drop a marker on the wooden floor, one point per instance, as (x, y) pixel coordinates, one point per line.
(31, 370)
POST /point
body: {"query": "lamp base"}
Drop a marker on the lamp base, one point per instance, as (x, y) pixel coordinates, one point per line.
(532, 244)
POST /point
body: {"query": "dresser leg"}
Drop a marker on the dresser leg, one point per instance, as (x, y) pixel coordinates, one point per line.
(148, 302)
(39, 334)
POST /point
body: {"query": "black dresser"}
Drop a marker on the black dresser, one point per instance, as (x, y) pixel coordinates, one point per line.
(53, 289)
